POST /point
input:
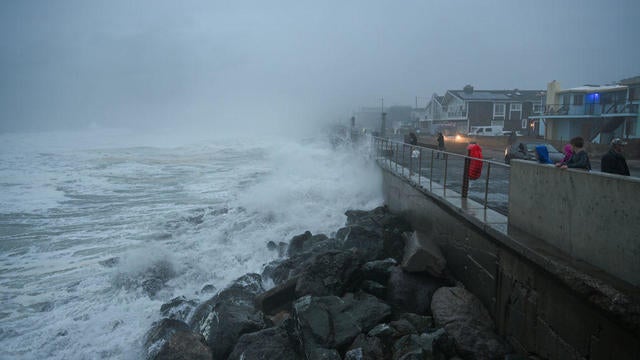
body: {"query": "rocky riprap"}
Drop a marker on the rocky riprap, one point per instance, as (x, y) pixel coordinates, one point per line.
(356, 296)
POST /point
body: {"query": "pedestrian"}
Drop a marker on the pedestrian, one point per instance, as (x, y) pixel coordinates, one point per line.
(613, 161)
(568, 152)
(413, 139)
(579, 159)
(440, 141)
(513, 137)
(542, 154)
(475, 166)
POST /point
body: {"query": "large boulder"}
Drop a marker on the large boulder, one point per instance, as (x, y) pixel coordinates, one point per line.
(368, 244)
(411, 292)
(271, 343)
(415, 346)
(333, 323)
(279, 271)
(329, 273)
(173, 339)
(278, 298)
(378, 270)
(178, 308)
(464, 318)
(365, 348)
(229, 315)
(389, 227)
(422, 254)
(308, 243)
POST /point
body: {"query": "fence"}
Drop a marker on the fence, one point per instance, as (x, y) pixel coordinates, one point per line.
(431, 169)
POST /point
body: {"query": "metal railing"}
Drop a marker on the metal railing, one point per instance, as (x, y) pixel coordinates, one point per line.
(431, 169)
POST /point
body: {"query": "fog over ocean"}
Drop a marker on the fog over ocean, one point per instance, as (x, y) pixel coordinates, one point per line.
(99, 228)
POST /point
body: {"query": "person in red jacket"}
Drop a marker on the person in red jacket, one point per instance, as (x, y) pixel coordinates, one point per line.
(475, 167)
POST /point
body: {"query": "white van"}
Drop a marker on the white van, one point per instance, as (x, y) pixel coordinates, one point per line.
(486, 130)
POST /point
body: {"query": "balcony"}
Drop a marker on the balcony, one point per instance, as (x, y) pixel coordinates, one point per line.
(456, 115)
(590, 109)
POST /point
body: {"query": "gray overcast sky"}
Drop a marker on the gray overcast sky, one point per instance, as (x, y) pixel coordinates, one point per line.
(73, 63)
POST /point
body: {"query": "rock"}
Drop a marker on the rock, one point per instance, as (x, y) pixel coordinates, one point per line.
(230, 314)
(464, 318)
(280, 271)
(365, 348)
(423, 254)
(208, 289)
(330, 273)
(321, 322)
(403, 327)
(172, 339)
(413, 347)
(310, 243)
(271, 343)
(383, 331)
(277, 298)
(330, 322)
(378, 270)
(387, 226)
(369, 245)
(374, 288)
(410, 292)
(366, 310)
(178, 308)
(419, 322)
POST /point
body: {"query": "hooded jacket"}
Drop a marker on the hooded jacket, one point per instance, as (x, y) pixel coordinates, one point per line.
(614, 163)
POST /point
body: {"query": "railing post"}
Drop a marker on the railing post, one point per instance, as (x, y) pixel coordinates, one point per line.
(465, 177)
(419, 166)
(411, 170)
(444, 181)
(486, 186)
(402, 163)
(396, 158)
(431, 173)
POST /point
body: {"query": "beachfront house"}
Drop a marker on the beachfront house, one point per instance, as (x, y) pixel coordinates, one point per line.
(459, 110)
(598, 113)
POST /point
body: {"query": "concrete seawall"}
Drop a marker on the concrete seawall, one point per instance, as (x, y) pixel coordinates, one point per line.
(542, 302)
(593, 217)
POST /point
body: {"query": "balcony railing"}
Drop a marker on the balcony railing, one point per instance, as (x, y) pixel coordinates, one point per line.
(590, 109)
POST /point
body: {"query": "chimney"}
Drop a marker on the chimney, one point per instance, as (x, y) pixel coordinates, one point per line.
(468, 89)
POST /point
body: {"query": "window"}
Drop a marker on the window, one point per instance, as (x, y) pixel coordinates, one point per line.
(498, 110)
(516, 107)
(537, 108)
(578, 100)
(566, 99)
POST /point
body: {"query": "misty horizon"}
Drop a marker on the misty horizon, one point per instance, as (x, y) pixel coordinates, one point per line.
(252, 66)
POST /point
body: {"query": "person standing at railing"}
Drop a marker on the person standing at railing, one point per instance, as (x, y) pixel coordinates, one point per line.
(475, 166)
(613, 161)
(440, 141)
(579, 159)
(568, 152)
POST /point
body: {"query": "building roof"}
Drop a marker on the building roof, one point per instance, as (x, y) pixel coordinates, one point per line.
(498, 95)
(631, 81)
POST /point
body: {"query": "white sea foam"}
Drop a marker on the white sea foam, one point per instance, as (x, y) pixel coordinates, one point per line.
(98, 230)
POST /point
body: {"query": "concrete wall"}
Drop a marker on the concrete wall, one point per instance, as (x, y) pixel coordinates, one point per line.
(593, 217)
(540, 305)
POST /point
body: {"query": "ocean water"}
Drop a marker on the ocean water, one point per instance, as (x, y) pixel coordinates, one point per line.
(99, 228)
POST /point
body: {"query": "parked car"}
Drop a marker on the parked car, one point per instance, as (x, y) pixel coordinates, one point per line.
(527, 151)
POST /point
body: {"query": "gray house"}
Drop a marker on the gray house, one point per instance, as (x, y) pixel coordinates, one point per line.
(459, 110)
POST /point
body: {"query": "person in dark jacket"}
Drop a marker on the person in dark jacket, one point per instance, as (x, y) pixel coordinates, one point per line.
(440, 140)
(613, 161)
(579, 159)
